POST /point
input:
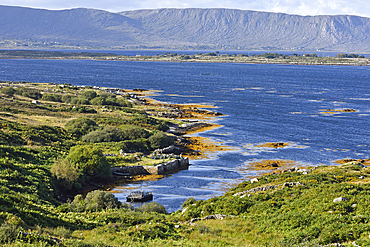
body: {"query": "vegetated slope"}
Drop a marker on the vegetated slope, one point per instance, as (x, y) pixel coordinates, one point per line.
(187, 28)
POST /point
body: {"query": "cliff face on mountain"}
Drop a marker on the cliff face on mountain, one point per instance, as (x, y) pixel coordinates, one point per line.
(186, 29)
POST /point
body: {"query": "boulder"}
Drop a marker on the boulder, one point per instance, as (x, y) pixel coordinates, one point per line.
(340, 199)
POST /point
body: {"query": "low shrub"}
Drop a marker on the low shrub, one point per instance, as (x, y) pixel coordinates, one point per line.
(108, 134)
(80, 101)
(82, 164)
(62, 232)
(52, 97)
(135, 145)
(83, 109)
(152, 207)
(80, 126)
(96, 200)
(29, 92)
(8, 233)
(160, 140)
(90, 160)
(188, 202)
(9, 91)
(67, 174)
(132, 132)
(89, 95)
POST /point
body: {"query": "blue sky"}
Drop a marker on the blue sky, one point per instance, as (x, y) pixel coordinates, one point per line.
(300, 7)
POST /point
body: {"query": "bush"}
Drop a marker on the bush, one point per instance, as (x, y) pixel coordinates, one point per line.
(48, 97)
(89, 95)
(62, 232)
(113, 134)
(67, 173)
(8, 233)
(10, 91)
(95, 201)
(98, 101)
(83, 109)
(29, 92)
(188, 202)
(124, 103)
(90, 160)
(98, 200)
(80, 126)
(132, 132)
(135, 145)
(110, 99)
(152, 207)
(52, 97)
(80, 101)
(67, 98)
(81, 165)
(108, 134)
(160, 140)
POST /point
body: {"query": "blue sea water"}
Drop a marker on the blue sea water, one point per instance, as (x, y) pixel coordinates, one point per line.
(262, 103)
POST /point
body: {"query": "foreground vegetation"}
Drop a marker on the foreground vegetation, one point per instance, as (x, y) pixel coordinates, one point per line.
(55, 140)
(211, 57)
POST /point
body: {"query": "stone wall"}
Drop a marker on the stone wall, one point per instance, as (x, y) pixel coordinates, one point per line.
(174, 165)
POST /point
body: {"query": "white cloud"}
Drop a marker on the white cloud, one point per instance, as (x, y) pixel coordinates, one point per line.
(322, 7)
(300, 7)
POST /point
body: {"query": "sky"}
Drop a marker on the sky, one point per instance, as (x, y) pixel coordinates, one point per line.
(299, 7)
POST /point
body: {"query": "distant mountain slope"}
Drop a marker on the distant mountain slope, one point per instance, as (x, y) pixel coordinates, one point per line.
(187, 28)
(76, 26)
(257, 29)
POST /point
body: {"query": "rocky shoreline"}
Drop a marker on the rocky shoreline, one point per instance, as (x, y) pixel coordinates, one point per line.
(181, 147)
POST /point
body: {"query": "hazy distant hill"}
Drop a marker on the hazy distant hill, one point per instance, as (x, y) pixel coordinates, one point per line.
(186, 28)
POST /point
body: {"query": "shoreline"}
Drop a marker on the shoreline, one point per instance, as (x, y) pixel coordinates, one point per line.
(182, 119)
(193, 147)
(201, 61)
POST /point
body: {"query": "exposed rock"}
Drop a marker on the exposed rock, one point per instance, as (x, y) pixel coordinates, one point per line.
(211, 217)
(296, 169)
(304, 171)
(340, 199)
(268, 187)
(180, 130)
(171, 166)
(184, 210)
(254, 180)
(169, 150)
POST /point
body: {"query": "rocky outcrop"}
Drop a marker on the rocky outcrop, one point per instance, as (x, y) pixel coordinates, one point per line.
(174, 165)
(169, 150)
(211, 217)
(268, 187)
(183, 128)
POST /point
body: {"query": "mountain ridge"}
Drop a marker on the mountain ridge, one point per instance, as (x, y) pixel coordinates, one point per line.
(187, 29)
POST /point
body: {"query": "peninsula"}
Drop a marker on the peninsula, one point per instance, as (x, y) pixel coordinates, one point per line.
(211, 57)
